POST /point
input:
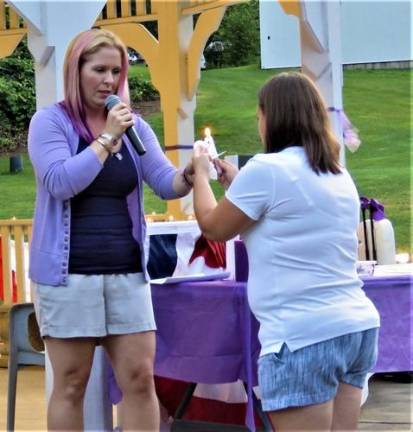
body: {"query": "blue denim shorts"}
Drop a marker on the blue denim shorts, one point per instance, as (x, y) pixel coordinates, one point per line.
(311, 375)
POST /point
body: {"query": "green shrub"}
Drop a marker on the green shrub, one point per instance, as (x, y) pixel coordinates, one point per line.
(141, 90)
(18, 100)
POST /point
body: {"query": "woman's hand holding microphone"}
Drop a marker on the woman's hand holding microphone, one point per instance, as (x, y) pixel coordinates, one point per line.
(118, 119)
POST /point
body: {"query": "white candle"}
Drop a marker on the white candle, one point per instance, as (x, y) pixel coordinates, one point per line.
(209, 141)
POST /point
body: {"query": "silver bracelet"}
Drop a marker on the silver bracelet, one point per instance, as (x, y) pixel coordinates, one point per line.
(103, 145)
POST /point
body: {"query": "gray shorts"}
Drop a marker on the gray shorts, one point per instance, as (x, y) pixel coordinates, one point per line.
(94, 306)
(311, 375)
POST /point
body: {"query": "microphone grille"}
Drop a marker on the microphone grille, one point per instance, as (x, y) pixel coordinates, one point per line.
(111, 101)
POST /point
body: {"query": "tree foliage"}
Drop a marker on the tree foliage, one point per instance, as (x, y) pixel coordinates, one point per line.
(240, 34)
(17, 96)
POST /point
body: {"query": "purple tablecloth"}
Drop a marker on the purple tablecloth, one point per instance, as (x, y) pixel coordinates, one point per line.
(206, 334)
(202, 331)
(393, 297)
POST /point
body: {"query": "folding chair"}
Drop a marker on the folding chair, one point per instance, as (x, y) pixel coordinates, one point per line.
(25, 348)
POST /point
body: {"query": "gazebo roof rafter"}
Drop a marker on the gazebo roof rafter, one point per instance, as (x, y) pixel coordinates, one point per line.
(13, 27)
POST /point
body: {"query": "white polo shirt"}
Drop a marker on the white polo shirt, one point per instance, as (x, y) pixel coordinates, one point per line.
(303, 286)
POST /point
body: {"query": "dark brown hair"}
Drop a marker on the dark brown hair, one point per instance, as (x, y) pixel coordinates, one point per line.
(295, 115)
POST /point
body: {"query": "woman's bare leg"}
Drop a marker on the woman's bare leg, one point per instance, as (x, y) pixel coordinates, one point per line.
(309, 418)
(71, 361)
(346, 410)
(132, 357)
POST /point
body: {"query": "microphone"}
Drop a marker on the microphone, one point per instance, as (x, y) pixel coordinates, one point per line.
(131, 132)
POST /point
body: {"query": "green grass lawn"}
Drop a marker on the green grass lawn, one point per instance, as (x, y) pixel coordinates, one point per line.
(377, 102)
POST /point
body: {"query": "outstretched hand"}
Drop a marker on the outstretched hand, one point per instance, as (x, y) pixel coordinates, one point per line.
(201, 160)
(226, 172)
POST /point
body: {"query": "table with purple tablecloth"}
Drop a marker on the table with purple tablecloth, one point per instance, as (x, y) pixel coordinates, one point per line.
(207, 334)
(205, 329)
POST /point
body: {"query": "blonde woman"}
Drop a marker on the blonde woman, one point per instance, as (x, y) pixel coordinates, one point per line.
(87, 257)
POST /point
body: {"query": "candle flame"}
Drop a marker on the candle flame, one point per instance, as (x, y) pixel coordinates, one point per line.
(207, 132)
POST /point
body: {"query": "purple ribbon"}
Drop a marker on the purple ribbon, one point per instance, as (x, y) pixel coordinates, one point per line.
(376, 208)
(350, 133)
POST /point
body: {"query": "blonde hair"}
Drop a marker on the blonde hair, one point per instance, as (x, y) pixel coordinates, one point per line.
(83, 45)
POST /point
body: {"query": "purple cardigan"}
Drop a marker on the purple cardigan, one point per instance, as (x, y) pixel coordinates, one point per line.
(61, 174)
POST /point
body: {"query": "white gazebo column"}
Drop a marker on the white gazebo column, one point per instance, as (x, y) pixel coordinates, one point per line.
(51, 26)
(321, 57)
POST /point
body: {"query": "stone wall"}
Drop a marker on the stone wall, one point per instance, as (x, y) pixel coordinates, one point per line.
(381, 65)
(147, 108)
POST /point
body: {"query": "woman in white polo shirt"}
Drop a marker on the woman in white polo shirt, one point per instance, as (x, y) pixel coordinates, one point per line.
(297, 210)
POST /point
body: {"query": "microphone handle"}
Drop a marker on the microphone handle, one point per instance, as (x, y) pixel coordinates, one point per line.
(135, 140)
(131, 132)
